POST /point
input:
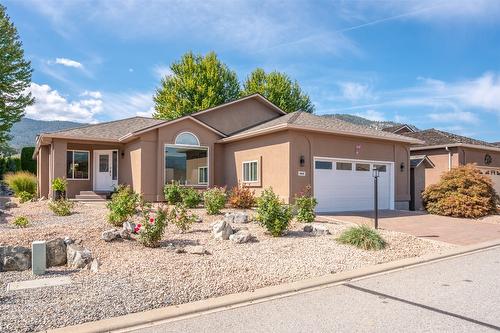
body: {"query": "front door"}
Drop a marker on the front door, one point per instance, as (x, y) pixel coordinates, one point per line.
(105, 170)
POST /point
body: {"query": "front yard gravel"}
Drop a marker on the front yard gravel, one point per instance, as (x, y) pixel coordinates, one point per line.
(133, 278)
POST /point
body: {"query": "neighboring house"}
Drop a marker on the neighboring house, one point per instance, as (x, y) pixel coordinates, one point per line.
(249, 141)
(400, 129)
(444, 151)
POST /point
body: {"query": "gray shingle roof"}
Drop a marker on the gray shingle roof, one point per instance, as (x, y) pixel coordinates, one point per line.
(112, 130)
(309, 120)
(434, 137)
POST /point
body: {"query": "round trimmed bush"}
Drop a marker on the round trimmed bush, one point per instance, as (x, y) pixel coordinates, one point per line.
(362, 237)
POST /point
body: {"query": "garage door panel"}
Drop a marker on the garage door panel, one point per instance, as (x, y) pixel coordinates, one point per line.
(344, 190)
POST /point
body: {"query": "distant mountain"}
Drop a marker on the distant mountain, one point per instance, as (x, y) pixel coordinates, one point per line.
(362, 121)
(24, 132)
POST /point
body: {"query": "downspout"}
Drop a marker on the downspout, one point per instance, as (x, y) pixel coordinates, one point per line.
(449, 157)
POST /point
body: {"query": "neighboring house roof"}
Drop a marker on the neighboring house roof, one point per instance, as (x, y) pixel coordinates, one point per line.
(433, 138)
(417, 160)
(401, 128)
(496, 144)
(307, 121)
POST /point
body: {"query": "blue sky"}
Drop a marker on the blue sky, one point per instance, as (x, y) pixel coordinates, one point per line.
(429, 63)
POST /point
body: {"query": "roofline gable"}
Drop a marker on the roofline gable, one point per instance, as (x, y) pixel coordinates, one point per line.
(452, 145)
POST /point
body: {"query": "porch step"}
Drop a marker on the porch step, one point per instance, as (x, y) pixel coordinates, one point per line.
(92, 196)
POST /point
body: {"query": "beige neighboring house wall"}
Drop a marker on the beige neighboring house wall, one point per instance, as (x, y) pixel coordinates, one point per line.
(419, 178)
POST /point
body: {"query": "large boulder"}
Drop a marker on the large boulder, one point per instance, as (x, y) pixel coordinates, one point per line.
(56, 252)
(242, 236)
(316, 229)
(78, 256)
(14, 258)
(110, 235)
(237, 217)
(129, 226)
(222, 230)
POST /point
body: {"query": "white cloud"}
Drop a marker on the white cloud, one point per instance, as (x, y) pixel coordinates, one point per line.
(93, 94)
(160, 71)
(50, 105)
(371, 115)
(68, 62)
(128, 104)
(354, 91)
(453, 117)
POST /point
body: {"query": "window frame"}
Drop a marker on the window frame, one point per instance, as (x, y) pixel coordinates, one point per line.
(186, 145)
(171, 145)
(73, 168)
(257, 176)
(199, 169)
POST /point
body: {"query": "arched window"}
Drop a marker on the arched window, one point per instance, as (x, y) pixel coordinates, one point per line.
(187, 138)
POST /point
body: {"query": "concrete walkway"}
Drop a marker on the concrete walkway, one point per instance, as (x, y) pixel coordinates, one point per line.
(461, 294)
(441, 228)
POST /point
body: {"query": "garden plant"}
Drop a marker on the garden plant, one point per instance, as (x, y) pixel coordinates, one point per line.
(21, 222)
(272, 213)
(59, 186)
(214, 200)
(21, 181)
(123, 205)
(241, 197)
(362, 237)
(61, 207)
(305, 205)
(180, 217)
(152, 229)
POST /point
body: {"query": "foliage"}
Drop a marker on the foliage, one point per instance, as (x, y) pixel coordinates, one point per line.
(27, 161)
(461, 192)
(362, 237)
(214, 199)
(15, 77)
(191, 198)
(279, 89)
(21, 222)
(9, 164)
(197, 82)
(25, 196)
(152, 229)
(21, 181)
(173, 193)
(272, 213)
(61, 207)
(241, 197)
(6, 150)
(305, 204)
(59, 184)
(124, 203)
(180, 217)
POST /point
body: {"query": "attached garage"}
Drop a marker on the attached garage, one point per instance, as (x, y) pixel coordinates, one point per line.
(348, 185)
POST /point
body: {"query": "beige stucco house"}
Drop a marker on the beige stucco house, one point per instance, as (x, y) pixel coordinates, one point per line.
(248, 141)
(441, 151)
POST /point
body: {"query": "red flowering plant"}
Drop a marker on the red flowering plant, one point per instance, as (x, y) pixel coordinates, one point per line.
(152, 230)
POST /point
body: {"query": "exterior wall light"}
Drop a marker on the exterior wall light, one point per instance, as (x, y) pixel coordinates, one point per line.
(302, 160)
(402, 166)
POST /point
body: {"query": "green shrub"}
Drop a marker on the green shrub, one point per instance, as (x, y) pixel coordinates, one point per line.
(123, 205)
(191, 198)
(21, 181)
(272, 213)
(21, 222)
(241, 197)
(173, 193)
(61, 207)
(305, 205)
(214, 199)
(27, 161)
(462, 192)
(180, 217)
(25, 196)
(152, 229)
(59, 184)
(362, 237)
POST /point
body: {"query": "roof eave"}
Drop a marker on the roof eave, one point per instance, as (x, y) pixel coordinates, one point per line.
(452, 145)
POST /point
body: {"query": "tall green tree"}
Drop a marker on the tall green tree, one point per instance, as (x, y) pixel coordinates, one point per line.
(15, 77)
(197, 82)
(279, 89)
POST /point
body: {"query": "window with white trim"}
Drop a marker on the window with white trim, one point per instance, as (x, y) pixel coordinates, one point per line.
(187, 138)
(77, 164)
(250, 172)
(203, 175)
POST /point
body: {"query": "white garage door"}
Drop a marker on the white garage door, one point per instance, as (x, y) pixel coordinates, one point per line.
(347, 185)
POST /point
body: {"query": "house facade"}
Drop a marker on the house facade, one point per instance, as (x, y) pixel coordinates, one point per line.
(249, 141)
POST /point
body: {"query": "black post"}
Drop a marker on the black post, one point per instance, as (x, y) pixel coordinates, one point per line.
(375, 182)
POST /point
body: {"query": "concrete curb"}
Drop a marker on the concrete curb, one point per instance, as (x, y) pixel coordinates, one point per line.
(219, 303)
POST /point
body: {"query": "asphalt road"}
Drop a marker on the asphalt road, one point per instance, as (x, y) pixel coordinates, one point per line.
(455, 295)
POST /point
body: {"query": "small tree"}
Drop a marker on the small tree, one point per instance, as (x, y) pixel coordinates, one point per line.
(462, 192)
(272, 213)
(27, 161)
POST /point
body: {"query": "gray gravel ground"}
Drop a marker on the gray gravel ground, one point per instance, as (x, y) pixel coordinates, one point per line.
(133, 278)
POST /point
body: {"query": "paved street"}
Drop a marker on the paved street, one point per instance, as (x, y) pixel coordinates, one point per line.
(458, 295)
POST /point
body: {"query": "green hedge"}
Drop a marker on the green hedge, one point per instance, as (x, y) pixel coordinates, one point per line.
(27, 161)
(9, 164)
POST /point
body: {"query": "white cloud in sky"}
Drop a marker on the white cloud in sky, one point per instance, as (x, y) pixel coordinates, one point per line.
(160, 71)
(371, 115)
(68, 62)
(93, 94)
(128, 104)
(51, 105)
(354, 91)
(454, 117)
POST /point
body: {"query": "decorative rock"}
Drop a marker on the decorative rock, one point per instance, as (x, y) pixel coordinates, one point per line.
(10, 204)
(180, 250)
(195, 249)
(77, 256)
(317, 229)
(14, 258)
(68, 240)
(198, 219)
(237, 217)
(129, 226)
(56, 252)
(221, 230)
(242, 236)
(94, 266)
(229, 217)
(124, 234)
(110, 235)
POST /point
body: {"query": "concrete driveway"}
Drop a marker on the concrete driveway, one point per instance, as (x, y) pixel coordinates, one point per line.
(441, 228)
